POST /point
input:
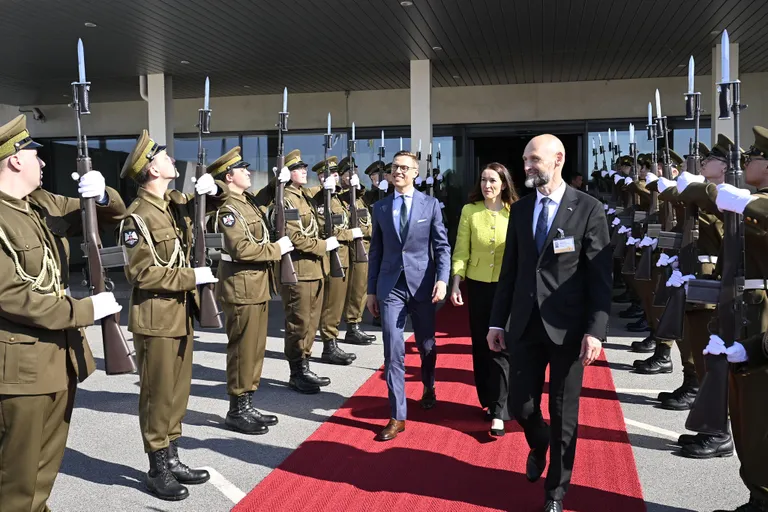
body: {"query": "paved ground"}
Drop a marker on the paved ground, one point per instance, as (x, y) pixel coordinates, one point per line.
(104, 464)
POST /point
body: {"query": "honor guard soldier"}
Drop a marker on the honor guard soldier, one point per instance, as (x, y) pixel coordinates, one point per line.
(749, 379)
(372, 195)
(42, 347)
(245, 273)
(334, 288)
(303, 301)
(357, 288)
(157, 234)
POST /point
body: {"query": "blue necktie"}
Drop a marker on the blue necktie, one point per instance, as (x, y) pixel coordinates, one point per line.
(403, 219)
(541, 224)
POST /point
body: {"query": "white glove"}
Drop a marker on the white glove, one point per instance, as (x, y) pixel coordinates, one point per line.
(678, 279)
(383, 185)
(354, 181)
(615, 222)
(418, 181)
(284, 176)
(617, 178)
(91, 184)
(611, 173)
(204, 275)
(628, 181)
(357, 233)
(439, 177)
(430, 180)
(624, 229)
(664, 184)
(605, 207)
(331, 243)
(285, 244)
(650, 178)
(611, 211)
(442, 205)
(632, 240)
(736, 353)
(715, 347)
(732, 199)
(330, 183)
(649, 242)
(674, 262)
(687, 178)
(104, 304)
(663, 260)
(604, 174)
(205, 185)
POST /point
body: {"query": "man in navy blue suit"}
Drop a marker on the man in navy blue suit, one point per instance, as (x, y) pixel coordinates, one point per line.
(408, 269)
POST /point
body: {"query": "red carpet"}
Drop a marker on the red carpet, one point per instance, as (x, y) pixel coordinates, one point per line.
(445, 460)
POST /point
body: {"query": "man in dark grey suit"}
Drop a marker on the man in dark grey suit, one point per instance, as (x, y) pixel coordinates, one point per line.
(555, 290)
(408, 267)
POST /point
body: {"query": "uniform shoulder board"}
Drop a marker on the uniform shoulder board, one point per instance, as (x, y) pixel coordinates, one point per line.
(292, 214)
(228, 220)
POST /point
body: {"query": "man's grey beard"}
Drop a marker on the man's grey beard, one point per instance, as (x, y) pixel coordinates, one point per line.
(537, 181)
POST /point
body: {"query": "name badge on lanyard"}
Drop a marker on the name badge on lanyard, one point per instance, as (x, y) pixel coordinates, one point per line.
(563, 244)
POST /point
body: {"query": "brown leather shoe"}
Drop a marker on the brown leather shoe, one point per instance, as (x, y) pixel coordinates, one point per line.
(390, 432)
(428, 399)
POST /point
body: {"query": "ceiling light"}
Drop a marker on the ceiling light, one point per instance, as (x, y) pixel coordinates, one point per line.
(437, 48)
(90, 25)
(682, 65)
(246, 86)
(185, 62)
(715, 32)
(406, 3)
(456, 77)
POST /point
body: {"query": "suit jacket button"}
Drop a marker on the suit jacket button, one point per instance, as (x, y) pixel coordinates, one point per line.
(491, 264)
(491, 252)
(531, 294)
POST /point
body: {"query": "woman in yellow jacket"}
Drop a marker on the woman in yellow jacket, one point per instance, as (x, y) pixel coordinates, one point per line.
(477, 260)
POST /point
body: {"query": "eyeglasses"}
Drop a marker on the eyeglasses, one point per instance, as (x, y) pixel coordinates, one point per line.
(404, 168)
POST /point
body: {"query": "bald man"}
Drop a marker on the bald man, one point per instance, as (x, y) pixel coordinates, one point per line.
(555, 291)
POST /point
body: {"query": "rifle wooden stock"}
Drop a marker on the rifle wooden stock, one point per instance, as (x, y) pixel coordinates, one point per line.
(643, 267)
(336, 268)
(360, 255)
(671, 322)
(287, 272)
(210, 316)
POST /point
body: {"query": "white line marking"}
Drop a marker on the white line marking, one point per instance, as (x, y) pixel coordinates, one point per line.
(226, 487)
(638, 391)
(651, 428)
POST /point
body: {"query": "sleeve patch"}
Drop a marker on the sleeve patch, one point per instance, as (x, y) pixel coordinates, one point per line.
(228, 220)
(130, 238)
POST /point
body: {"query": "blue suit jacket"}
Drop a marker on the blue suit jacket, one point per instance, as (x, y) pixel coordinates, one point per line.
(424, 255)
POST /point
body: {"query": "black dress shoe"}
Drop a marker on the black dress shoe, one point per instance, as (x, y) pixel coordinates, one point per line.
(647, 346)
(428, 398)
(535, 465)
(639, 326)
(689, 438)
(633, 311)
(553, 506)
(160, 481)
(709, 447)
(183, 473)
(240, 419)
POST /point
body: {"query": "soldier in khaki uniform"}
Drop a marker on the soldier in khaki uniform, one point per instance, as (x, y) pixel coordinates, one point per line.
(43, 350)
(157, 234)
(357, 290)
(334, 288)
(302, 301)
(247, 265)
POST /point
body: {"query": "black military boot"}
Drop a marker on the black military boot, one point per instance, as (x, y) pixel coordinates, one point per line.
(332, 354)
(659, 362)
(640, 326)
(183, 473)
(709, 447)
(357, 337)
(300, 382)
(268, 420)
(754, 505)
(682, 398)
(240, 418)
(312, 376)
(633, 311)
(647, 346)
(160, 481)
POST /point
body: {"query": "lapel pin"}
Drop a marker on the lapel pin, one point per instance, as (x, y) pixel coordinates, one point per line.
(570, 209)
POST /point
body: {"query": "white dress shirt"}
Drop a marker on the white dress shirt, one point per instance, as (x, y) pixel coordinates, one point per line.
(397, 203)
(556, 197)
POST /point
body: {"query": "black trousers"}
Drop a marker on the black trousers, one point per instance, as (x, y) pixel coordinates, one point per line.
(491, 368)
(530, 356)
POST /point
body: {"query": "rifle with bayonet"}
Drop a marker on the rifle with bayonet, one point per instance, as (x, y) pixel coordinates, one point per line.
(336, 268)
(118, 357)
(430, 183)
(382, 152)
(287, 271)
(210, 316)
(360, 255)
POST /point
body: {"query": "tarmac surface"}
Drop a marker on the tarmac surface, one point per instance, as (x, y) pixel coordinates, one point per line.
(104, 464)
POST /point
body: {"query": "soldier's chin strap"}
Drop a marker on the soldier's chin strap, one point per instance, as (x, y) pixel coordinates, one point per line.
(47, 282)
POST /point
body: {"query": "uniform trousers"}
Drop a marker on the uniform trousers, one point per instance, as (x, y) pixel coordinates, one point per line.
(334, 297)
(302, 303)
(529, 357)
(491, 369)
(357, 293)
(33, 436)
(165, 376)
(246, 326)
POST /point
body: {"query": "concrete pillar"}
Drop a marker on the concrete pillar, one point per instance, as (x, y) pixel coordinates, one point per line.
(724, 126)
(421, 109)
(160, 115)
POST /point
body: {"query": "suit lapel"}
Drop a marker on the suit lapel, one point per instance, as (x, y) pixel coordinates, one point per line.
(386, 213)
(564, 212)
